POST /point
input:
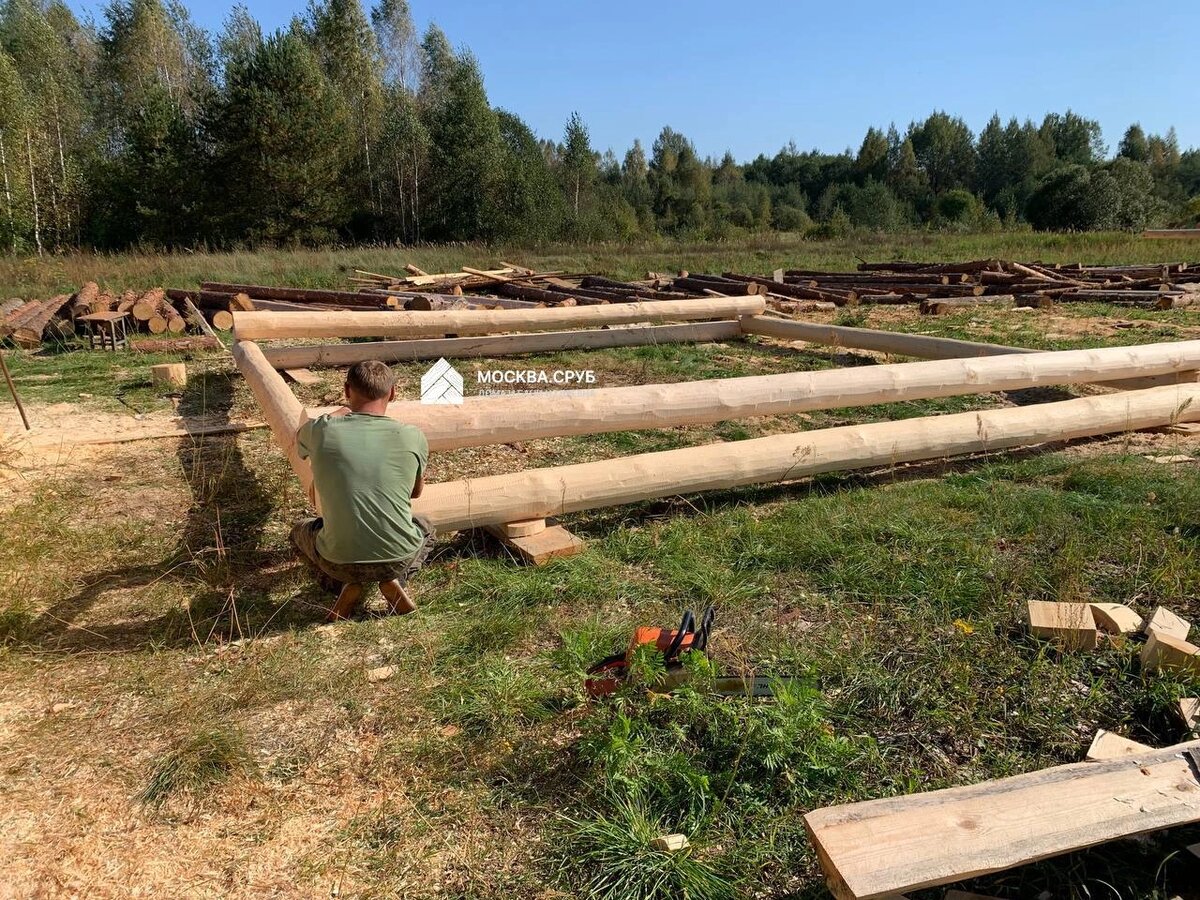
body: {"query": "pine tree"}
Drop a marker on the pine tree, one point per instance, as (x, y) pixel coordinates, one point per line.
(345, 43)
(530, 203)
(945, 150)
(466, 157)
(872, 160)
(279, 154)
(1133, 144)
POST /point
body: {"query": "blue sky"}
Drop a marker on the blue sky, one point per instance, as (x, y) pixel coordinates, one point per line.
(749, 77)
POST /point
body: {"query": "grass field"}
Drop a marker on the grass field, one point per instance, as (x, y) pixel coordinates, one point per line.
(173, 715)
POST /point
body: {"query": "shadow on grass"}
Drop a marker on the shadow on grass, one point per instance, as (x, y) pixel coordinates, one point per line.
(214, 564)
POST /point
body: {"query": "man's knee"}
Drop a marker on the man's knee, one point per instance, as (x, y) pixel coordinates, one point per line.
(304, 537)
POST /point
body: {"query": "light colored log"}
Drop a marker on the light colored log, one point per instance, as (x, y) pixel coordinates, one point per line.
(282, 411)
(525, 416)
(274, 326)
(538, 493)
(173, 375)
(499, 345)
(918, 345)
(878, 847)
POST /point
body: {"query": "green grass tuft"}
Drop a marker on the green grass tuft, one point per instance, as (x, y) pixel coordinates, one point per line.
(200, 761)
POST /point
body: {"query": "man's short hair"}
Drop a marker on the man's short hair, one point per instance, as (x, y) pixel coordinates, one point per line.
(371, 379)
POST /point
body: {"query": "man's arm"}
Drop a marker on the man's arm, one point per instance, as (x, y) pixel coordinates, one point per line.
(418, 485)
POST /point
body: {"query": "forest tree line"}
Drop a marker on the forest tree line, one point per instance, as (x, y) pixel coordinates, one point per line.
(349, 125)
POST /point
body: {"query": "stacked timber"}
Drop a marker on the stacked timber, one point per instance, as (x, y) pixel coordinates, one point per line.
(946, 287)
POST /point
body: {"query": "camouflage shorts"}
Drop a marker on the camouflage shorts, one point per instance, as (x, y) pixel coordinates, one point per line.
(333, 575)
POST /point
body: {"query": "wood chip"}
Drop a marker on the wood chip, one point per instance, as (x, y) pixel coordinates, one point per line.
(1108, 745)
(670, 843)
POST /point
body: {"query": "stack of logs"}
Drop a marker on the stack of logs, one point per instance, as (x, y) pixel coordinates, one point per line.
(943, 287)
(28, 323)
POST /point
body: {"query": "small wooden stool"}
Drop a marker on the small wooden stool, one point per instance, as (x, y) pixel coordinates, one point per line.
(107, 330)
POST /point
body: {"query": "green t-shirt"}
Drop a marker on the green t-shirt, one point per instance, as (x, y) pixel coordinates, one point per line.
(364, 467)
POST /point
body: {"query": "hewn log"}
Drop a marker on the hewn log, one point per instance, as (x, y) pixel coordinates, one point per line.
(539, 493)
(273, 326)
(450, 301)
(356, 299)
(918, 345)
(283, 412)
(498, 345)
(507, 418)
(878, 848)
(531, 294)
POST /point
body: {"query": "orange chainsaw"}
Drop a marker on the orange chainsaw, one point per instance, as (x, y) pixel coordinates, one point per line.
(606, 676)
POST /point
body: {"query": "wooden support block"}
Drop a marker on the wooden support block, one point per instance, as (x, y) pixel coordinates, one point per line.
(1162, 651)
(875, 848)
(552, 542)
(1068, 624)
(302, 376)
(1107, 745)
(1189, 711)
(173, 375)
(528, 528)
(670, 843)
(1115, 618)
(1166, 622)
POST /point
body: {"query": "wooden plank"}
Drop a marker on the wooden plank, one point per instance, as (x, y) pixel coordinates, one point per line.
(1161, 651)
(1166, 622)
(538, 549)
(879, 847)
(1116, 618)
(1107, 745)
(303, 376)
(1068, 624)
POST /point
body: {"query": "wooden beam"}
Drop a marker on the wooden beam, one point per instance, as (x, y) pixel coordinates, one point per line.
(879, 847)
(526, 416)
(918, 345)
(1070, 625)
(499, 345)
(283, 412)
(538, 493)
(319, 324)
(1166, 622)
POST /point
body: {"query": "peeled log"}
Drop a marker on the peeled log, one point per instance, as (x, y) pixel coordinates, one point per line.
(273, 326)
(528, 416)
(540, 493)
(283, 412)
(498, 344)
(918, 345)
